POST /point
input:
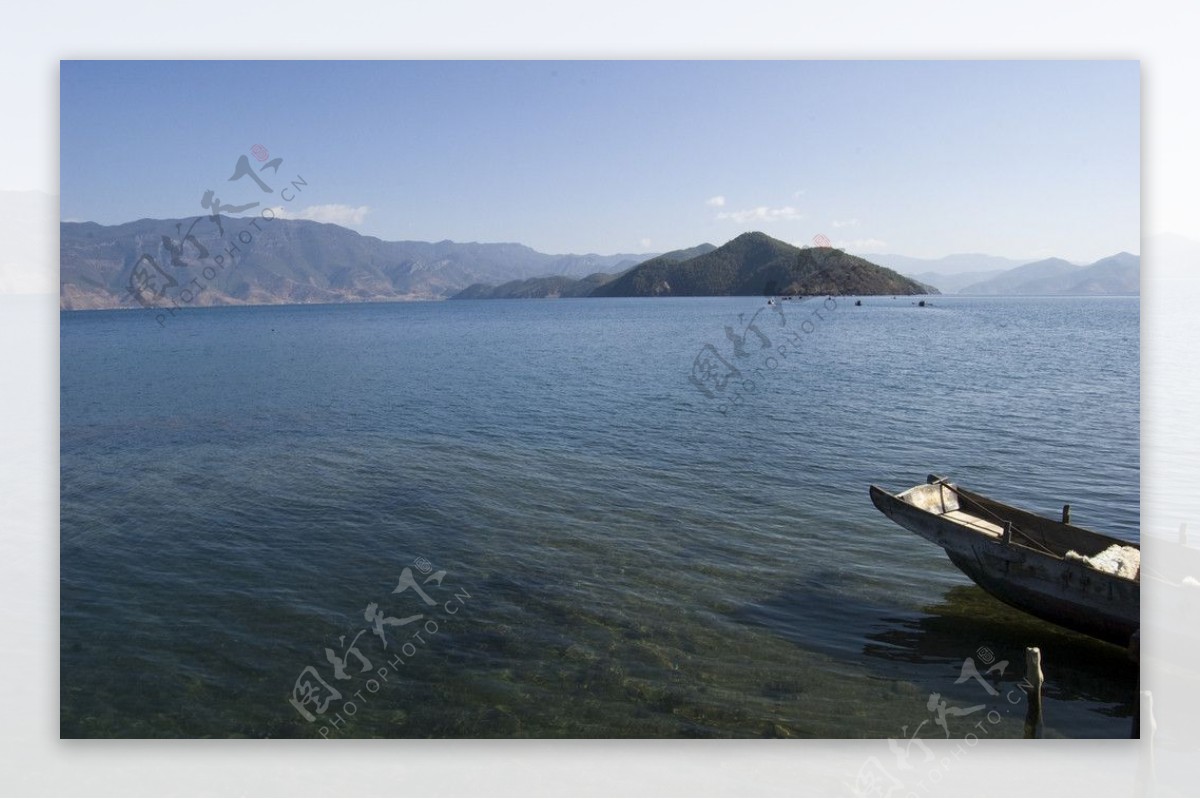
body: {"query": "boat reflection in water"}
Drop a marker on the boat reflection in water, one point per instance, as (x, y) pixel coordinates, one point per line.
(1078, 668)
(1090, 687)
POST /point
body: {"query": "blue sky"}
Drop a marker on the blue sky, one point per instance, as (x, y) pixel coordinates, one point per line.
(1020, 158)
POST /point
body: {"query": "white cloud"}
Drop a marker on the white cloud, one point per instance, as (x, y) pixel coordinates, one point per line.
(646, 243)
(845, 222)
(716, 202)
(347, 215)
(761, 214)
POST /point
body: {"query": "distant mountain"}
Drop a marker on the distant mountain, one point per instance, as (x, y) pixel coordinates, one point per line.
(688, 254)
(950, 273)
(290, 261)
(1116, 274)
(756, 264)
(558, 287)
(958, 263)
(951, 284)
(1009, 281)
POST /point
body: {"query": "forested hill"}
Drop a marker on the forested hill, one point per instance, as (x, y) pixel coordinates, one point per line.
(756, 264)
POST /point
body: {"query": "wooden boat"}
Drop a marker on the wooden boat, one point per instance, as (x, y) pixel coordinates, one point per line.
(1067, 575)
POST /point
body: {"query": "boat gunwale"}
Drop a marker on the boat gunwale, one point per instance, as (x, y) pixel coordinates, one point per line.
(1039, 551)
(1068, 592)
(980, 499)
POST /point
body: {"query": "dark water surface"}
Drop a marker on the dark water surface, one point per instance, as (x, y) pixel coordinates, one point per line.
(620, 558)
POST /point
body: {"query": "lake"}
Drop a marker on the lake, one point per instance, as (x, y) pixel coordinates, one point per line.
(572, 518)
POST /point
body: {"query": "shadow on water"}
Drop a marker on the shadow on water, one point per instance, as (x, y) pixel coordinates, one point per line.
(822, 614)
(1077, 666)
(927, 647)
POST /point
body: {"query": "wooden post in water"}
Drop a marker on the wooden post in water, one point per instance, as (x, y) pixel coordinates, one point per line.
(1066, 514)
(1034, 677)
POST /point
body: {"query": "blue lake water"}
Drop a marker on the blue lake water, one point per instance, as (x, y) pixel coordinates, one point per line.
(593, 546)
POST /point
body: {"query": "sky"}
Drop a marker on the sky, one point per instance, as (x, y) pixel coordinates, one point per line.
(1024, 159)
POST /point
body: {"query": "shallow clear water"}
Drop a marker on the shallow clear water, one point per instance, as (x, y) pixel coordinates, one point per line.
(239, 486)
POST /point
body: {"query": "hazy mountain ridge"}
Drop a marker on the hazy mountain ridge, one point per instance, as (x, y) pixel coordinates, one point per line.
(561, 287)
(952, 283)
(1116, 274)
(955, 263)
(294, 261)
(949, 273)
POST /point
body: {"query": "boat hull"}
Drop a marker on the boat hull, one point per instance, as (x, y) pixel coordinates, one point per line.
(1061, 591)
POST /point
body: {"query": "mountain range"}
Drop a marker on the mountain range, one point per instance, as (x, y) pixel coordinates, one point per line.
(956, 263)
(249, 261)
(290, 261)
(1116, 274)
(992, 275)
(749, 265)
(254, 261)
